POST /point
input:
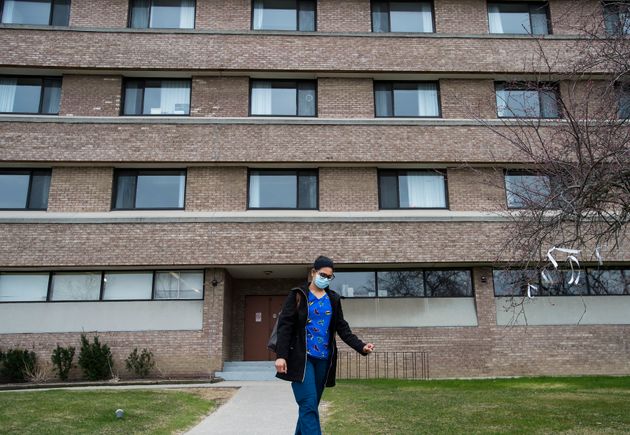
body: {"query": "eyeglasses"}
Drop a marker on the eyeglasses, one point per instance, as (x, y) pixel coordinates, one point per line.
(323, 275)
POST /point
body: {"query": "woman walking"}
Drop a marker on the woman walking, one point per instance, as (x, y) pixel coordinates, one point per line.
(306, 346)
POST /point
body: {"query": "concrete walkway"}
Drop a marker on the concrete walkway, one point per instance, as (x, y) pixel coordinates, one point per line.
(257, 408)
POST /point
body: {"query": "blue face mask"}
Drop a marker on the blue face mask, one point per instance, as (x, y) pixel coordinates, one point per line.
(321, 282)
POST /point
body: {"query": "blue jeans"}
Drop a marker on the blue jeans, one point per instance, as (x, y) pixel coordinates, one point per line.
(307, 395)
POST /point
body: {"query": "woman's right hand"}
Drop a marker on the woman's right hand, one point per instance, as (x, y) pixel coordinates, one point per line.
(281, 365)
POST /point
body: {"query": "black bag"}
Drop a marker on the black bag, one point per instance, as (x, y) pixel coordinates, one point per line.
(271, 344)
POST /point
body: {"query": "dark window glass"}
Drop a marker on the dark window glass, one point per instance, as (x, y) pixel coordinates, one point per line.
(522, 100)
(156, 97)
(617, 17)
(514, 282)
(519, 18)
(355, 284)
(609, 281)
(284, 15)
(558, 284)
(283, 98)
(162, 14)
(624, 102)
(149, 189)
(30, 95)
(412, 189)
(400, 283)
(448, 283)
(36, 12)
(406, 99)
(402, 16)
(24, 189)
(283, 189)
(526, 189)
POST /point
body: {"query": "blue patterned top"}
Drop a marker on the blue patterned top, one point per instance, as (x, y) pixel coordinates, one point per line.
(317, 322)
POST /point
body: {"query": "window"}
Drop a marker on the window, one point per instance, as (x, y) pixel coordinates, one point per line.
(559, 284)
(23, 287)
(149, 189)
(523, 100)
(406, 99)
(617, 17)
(76, 286)
(520, 18)
(283, 98)
(179, 285)
(283, 189)
(30, 95)
(526, 189)
(127, 285)
(609, 281)
(412, 189)
(162, 14)
(156, 97)
(624, 101)
(514, 282)
(284, 15)
(402, 16)
(37, 12)
(403, 283)
(24, 189)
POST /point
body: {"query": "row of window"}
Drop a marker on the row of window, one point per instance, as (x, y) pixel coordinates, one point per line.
(155, 189)
(609, 281)
(101, 285)
(290, 98)
(513, 17)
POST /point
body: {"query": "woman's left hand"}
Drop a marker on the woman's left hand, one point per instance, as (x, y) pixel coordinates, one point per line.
(368, 348)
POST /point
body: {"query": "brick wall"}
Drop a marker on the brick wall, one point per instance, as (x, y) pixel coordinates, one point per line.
(219, 96)
(468, 99)
(478, 189)
(345, 98)
(273, 52)
(216, 188)
(344, 16)
(223, 15)
(87, 95)
(80, 189)
(456, 16)
(348, 189)
(99, 13)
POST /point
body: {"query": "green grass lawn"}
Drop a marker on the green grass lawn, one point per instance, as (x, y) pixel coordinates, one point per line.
(571, 405)
(93, 412)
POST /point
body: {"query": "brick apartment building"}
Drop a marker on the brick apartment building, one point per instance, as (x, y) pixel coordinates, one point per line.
(171, 168)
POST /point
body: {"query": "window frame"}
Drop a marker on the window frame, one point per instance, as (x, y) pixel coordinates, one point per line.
(529, 4)
(424, 280)
(129, 19)
(584, 275)
(43, 80)
(102, 285)
(380, 171)
(297, 21)
(143, 80)
(523, 86)
(137, 172)
(604, 5)
(24, 171)
(623, 89)
(389, 16)
(392, 83)
(297, 97)
(50, 16)
(297, 193)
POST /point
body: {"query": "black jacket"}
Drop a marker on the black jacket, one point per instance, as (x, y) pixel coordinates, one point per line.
(291, 339)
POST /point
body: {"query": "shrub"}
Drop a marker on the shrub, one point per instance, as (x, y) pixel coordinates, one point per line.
(95, 359)
(62, 359)
(17, 363)
(140, 364)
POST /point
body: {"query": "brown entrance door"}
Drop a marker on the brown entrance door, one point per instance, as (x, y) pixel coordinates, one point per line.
(260, 316)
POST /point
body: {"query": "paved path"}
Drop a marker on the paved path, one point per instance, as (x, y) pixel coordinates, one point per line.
(257, 408)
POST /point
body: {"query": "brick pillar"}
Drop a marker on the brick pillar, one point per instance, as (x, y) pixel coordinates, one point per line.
(213, 316)
(484, 297)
